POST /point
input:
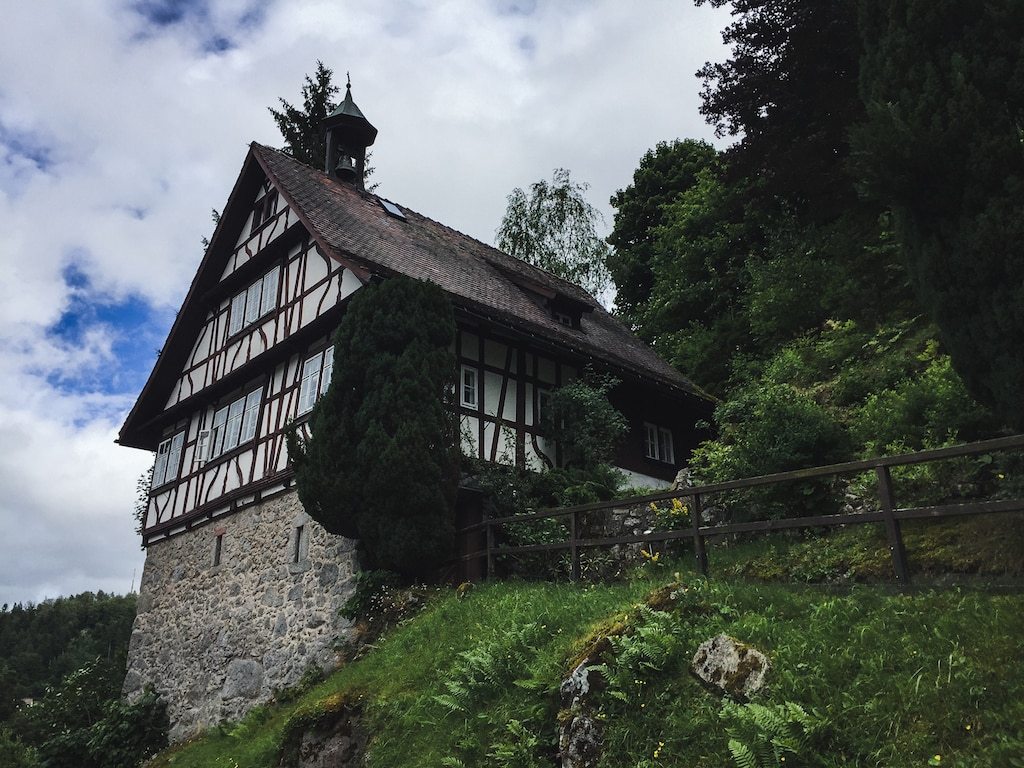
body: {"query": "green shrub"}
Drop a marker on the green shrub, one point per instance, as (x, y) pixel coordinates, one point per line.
(929, 409)
(768, 429)
(15, 754)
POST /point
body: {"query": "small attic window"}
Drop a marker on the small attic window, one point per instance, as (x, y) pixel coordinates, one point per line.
(391, 208)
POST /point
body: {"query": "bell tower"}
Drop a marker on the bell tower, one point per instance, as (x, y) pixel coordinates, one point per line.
(348, 134)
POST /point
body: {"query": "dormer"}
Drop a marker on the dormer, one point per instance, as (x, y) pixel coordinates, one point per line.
(562, 308)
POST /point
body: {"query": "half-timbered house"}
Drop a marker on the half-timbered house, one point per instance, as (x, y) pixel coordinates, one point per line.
(241, 588)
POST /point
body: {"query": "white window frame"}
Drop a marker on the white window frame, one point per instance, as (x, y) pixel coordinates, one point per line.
(317, 372)
(469, 387)
(658, 443)
(234, 424)
(255, 302)
(167, 466)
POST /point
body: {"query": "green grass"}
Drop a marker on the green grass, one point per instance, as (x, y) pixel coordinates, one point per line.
(892, 679)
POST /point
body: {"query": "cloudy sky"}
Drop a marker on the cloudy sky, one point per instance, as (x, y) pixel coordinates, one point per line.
(124, 122)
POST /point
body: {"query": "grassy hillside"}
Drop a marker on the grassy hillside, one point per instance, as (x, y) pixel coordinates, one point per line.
(929, 678)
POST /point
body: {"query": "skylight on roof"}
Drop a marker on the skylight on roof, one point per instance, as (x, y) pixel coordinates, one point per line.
(391, 208)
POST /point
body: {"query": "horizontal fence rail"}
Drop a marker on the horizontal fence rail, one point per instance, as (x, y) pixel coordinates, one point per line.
(694, 496)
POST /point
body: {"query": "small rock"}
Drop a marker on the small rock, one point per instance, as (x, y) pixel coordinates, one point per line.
(576, 686)
(579, 743)
(731, 666)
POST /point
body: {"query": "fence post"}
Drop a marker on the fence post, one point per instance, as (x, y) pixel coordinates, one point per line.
(892, 525)
(490, 550)
(700, 553)
(574, 551)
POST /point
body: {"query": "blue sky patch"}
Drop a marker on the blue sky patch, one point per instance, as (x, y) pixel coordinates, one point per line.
(136, 327)
(163, 13)
(25, 145)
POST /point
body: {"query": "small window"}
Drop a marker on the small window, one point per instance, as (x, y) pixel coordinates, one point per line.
(391, 208)
(468, 387)
(563, 318)
(264, 210)
(254, 302)
(218, 547)
(168, 460)
(316, 378)
(658, 443)
(297, 550)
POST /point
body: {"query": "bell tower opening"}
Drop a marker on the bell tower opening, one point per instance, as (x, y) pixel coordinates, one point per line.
(348, 134)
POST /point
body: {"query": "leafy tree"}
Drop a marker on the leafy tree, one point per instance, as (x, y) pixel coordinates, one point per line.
(381, 464)
(555, 228)
(586, 427)
(944, 86)
(664, 173)
(301, 128)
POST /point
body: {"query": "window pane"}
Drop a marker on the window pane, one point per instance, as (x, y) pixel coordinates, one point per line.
(252, 302)
(234, 424)
(174, 457)
(252, 412)
(160, 467)
(327, 369)
(651, 441)
(665, 445)
(310, 380)
(269, 300)
(237, 314)
(469, 397)
(217, 442)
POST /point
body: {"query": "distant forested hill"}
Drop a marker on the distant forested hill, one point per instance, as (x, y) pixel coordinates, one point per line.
(39, 644)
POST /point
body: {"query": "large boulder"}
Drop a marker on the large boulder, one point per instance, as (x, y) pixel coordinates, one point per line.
(730, 666)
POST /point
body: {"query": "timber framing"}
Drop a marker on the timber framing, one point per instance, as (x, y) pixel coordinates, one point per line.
(291, 247)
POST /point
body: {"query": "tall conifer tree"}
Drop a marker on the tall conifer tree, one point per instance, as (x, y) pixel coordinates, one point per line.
(381, 464)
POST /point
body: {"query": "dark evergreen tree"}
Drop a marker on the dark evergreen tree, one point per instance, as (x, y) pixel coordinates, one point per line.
(301, 127)
(665, 172)
(789, 91)
(944, 84)
(381, 464)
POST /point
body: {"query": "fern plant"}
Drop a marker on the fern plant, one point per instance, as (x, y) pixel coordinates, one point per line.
(770, 736)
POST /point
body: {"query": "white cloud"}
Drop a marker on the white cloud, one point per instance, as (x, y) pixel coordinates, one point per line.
(121, 136)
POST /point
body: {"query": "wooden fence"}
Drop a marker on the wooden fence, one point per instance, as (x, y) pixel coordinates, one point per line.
(888, 512)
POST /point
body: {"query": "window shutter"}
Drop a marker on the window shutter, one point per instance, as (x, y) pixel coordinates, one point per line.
(327, 369)
(308, 388)
(203, 447)
(269, 299)
(237, 314)
(217, 437)
(174, 457)
(252, 412)
(160, 466)
(252, 302)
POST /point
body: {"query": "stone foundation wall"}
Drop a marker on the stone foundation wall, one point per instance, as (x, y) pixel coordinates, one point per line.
(215, 640)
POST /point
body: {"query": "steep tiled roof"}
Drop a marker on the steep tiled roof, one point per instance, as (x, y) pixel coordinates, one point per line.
(353, 224)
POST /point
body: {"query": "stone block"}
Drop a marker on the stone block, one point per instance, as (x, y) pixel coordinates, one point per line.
(244, 678)
(730, 666)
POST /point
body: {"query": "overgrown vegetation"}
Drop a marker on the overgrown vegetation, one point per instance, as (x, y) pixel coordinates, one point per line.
(861, 677)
